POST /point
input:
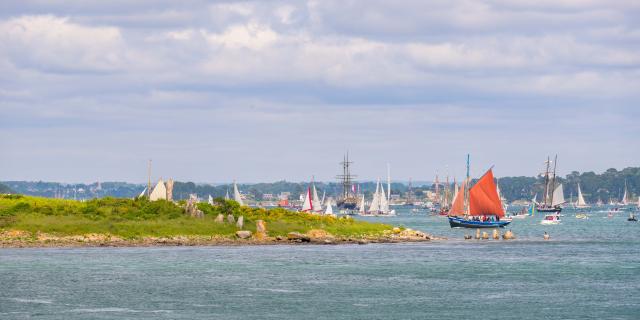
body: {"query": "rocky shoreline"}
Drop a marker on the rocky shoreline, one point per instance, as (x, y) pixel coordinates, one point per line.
(24, 239)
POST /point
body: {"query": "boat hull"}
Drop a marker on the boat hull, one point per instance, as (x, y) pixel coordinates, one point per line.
(456, 222)
(549, 209)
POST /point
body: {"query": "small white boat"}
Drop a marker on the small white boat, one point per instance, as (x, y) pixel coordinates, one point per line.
(550, 219)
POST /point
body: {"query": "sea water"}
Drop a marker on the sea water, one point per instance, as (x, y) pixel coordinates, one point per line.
(590, 269)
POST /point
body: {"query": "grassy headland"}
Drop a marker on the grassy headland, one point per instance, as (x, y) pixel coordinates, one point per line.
(36, 221)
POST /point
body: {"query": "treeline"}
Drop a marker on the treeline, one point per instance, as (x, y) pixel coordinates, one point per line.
(605, 186)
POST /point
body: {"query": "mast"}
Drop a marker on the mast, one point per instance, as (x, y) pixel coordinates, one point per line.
(388, 183)
(466, 190)
(437, 189)
(149, 180)
(346, 177)
(546, 183)
(553, 179)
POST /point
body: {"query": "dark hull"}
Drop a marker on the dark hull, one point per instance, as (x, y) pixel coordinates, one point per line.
(456, 222)
(347, 205)
(549, 209)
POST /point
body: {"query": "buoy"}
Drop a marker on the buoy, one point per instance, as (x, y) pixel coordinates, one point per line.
(485, 236)
(546, 236)
(477, 233)
(496, 234)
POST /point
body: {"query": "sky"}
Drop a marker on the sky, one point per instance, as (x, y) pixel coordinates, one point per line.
(261, 91)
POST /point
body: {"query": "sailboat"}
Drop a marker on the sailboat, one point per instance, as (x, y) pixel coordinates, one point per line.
(210, 200)
(329, 209)
(553, 195)
(362, 210)
(580, 203)
(625, 197)
(236, 194)
(478, 206)
(380, 202)
(307, 205)
(317, 204)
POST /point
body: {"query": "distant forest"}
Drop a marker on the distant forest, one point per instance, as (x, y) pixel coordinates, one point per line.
(607, 185)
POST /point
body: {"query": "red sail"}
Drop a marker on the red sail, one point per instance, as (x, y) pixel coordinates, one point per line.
(484, 199)
(457, 208)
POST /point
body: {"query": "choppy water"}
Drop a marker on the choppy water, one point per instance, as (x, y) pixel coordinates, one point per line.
(590, 270)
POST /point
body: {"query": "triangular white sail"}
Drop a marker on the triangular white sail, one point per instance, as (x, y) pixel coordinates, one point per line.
(236, 194)
(362, 208)
(324, 193)
(306, 204)
(142, 193)
(384, 203)
(159, 192)
(625, 200)
(580, 202)
(534, 200)
(375, 202)
(329, 209)
(210, 200)
(558, 196)
(317, 205)
(226, 196)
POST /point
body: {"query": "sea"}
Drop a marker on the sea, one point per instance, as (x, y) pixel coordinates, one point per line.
(589, 269)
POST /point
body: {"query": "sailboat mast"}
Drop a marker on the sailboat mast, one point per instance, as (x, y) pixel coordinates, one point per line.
(388, 183)
(553, 179)
(546, 183)
(466, 190)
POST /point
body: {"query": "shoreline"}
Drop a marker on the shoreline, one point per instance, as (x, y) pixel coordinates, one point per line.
(13, 239)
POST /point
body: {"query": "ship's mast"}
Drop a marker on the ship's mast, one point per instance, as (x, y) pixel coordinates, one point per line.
(346, 177)
(553, 179)
(466, 190)
(546, 183)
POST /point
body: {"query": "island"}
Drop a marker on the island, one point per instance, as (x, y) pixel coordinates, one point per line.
(27, 221)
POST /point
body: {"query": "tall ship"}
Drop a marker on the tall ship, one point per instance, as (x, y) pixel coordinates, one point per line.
(348, 199)
(553, 195)
(477, 206)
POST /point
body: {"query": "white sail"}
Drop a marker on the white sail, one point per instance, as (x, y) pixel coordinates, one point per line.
(329, 209)
(388, 185)
(142, 193)
(317, 205)
(534, 200)
(324, 193)
(226, 196)
(625, 200)
(362, 208)
(306, 204)
(210, 200)
(375, 202)
(558, 196)
(580, 202)
(384, 203)
(159, 192)
(236, 194)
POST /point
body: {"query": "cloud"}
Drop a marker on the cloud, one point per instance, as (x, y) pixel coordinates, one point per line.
(304, 81)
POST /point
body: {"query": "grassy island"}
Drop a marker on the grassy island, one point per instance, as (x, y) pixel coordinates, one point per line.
(35, 221)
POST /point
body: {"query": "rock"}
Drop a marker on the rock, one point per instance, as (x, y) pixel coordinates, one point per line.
(279, 238)
(508, 235)
(477, 233)
(231, 219)
(546, 236)
(243, 234)
(496, 234)
(363, 242)
(485, 235)
(396, 230)
(240, 222)
(261, 226)
(296, 236)
(318, 233)
(219, 218)
(328, 241)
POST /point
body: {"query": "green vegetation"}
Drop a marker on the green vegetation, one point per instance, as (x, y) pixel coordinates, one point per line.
(133, 219)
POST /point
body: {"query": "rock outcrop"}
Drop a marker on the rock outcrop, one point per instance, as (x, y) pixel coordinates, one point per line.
(243, 234)
(240, 223)
(298, 237)
(219, 218)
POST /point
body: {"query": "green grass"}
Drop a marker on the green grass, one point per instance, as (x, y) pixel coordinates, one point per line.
(131, 219)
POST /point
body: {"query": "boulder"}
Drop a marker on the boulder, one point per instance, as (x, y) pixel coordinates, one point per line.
(318, 233)
(240, 222)
(261, 226)
(396, 230)
(219, 219)
(231, 219)
(299, 237)
(243, 234)
(508, 235)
